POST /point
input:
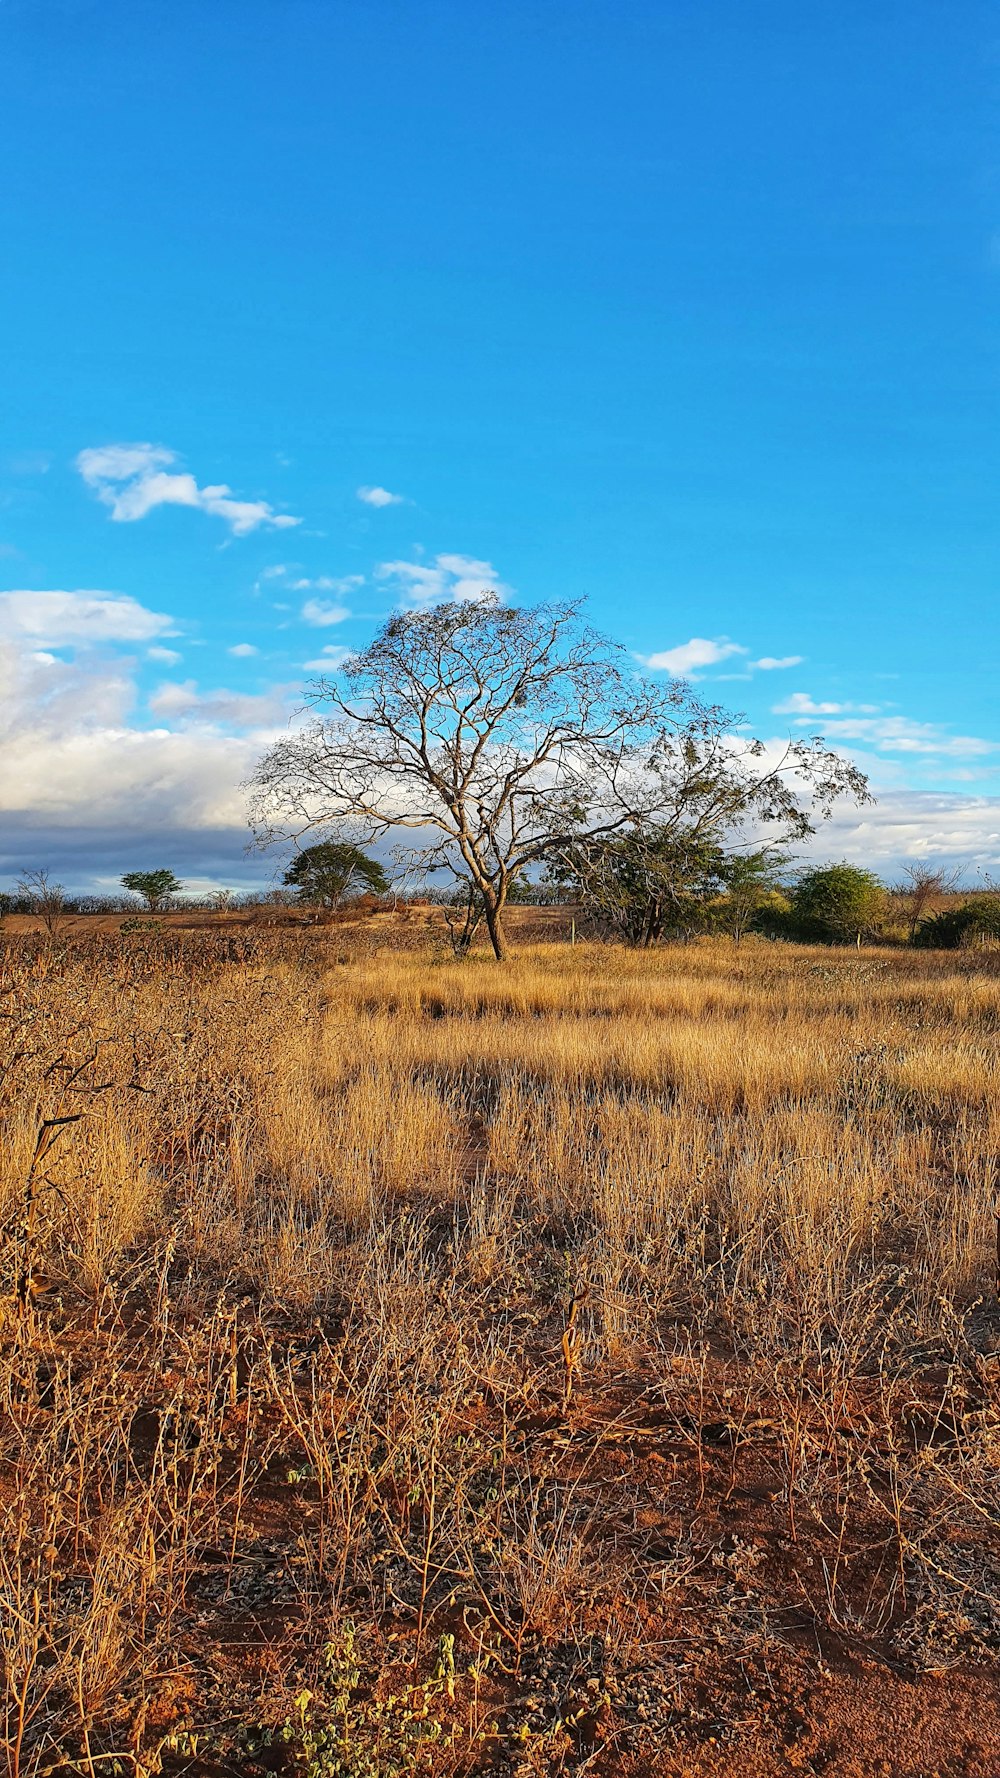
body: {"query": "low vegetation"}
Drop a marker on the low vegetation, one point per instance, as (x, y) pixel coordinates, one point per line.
(419, 1367)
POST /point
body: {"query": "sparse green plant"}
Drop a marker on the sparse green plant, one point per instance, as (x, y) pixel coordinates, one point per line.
(922, 885)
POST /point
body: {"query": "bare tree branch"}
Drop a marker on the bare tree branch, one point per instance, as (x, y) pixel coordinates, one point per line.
(502, 736)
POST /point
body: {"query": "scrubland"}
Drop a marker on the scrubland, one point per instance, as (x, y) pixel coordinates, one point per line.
(582, 1364)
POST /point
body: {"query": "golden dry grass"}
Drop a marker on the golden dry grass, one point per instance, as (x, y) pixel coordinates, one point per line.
(323, 1220)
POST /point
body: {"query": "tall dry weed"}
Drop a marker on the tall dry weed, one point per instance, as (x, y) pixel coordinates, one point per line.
(305, 1238)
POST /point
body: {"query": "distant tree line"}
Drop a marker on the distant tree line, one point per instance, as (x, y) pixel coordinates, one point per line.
(325, 877)
(643, 894)
(640, 891)
(649, 888)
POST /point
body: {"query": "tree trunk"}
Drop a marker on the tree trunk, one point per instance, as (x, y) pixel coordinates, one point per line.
(494, 925)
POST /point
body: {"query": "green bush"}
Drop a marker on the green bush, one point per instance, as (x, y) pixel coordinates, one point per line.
(977, 919)
(774, 918)
(836, 902)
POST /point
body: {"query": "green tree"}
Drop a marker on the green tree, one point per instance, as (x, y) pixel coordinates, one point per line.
(323, 874)
(155, 886)
(838, 902)
(751, 882)
(644, 885)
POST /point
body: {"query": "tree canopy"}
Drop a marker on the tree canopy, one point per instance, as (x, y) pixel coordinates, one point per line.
(647, 885)
(504, 737)
(326, 872)
(644, 885)
(155, 886)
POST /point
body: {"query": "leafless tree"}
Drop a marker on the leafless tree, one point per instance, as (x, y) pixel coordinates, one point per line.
(921, 886)
(506, 736)
(46, 898)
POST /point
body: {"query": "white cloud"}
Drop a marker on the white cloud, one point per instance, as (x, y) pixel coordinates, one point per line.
(865, 723)
(770, 663)
(322, 612)
(799, 703)
(182, 699)
(315, 611)
(699, 652)
(242, 651)
(456, 579)
(70, 759)
(379, 497)
(329, 659)
(173, 696)
(87, 789)
(132, 479)
(900, 734)
(167, 657)
(59, 617)
(904, 825)
(326, 583)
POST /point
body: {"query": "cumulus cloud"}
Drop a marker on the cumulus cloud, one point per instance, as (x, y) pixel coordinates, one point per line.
(61, 617)
(699, 652)
(448, 577)
(770, 663)
(322, 612)
(90, 788)
(71, 757)
(329, 659)
(242, 650)
(316, 611)
(945, 827)
(131, 479)
(379, 497)
(167, 657)
(183, 700)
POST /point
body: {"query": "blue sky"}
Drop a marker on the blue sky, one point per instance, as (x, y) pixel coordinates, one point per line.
(688, 308)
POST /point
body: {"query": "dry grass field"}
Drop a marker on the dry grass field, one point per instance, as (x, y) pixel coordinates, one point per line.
(587, 1364)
